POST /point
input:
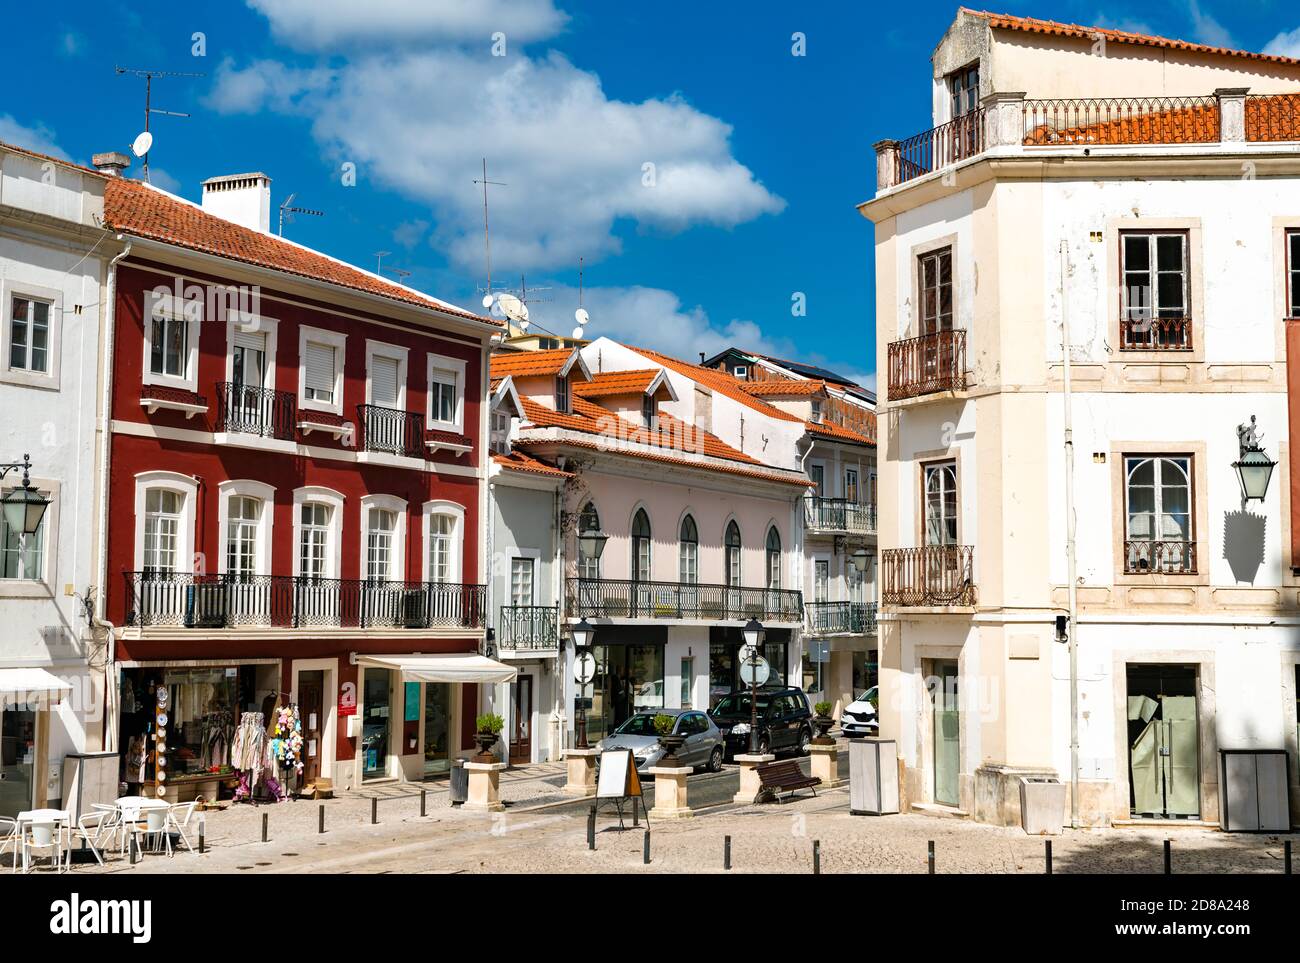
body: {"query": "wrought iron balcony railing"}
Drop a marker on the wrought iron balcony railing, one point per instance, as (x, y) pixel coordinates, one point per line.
(284, 601)
(936, 148)
(933, 575)
(841, 618)
(1122, 120)
(1147, 557)
(839, 515)
(624, 599)
(390, 430)
(255, 411)
(925, 365)
(1155, 334)
(528, 627)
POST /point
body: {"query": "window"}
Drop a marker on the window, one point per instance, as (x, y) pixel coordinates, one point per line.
(321, 356)
(248, 359)
(851, 485)
(1155, 291)
(588, 521)
(241, 535)
(521, 581)
(169, 346)
(500, 440)
(740, 371)
(1293, 272)
(941, 503)
(162, 520)
(641, 546)
(23, 556)
(442, 401)
(936, 291)
(29, 334)
(773, 558)
(164, 528)
(446, 393)
(1158, 525)
(732, 544)
(688, 552)
(381, 525)
(964, 88)
(816, 412)
(648, 416)
(821, 579)
(313, 540)
(320, 373)
(562, 394)
(171, 340)
(688, 677)
(442, 531)
(817, 473)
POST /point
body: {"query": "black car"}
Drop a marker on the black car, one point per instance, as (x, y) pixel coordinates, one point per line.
(784, 721)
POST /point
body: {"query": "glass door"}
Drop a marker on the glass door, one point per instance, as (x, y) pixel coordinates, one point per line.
(376, 723)
(17, 759)
(437, 725)
(947, 730)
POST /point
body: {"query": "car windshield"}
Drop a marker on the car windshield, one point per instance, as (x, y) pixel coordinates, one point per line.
(639, 725)
(867, 695)
(738, 704)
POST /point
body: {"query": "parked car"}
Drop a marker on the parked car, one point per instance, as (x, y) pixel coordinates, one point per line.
(859, 717)
(784, 721)
(703, 747)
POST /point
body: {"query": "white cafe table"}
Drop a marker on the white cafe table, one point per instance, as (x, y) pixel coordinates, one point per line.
(60, 820)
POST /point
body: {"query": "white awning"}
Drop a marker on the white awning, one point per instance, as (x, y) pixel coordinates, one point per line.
(31, 686)
(443, 667)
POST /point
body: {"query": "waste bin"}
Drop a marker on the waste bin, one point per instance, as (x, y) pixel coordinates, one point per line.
(873, 777)
(1042, 805)
(459, 782)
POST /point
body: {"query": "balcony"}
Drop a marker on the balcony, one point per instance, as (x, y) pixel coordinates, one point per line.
(939, 147)
(391, 431)
(927, 365)
(839, 516)
(256, 411)
(935, 575)
(1148, 557)
(290, 602)
(165, 397)
(840, 618)
(528, 628)
(1155, 334)
(642, 601)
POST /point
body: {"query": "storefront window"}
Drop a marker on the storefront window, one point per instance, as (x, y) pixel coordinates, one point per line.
(724, 667)
(629, 679)
(17, 759)
(375, 724)
(437, 716)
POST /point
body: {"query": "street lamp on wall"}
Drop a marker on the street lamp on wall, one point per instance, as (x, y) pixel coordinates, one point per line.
(860, 559)
(591, 543)
(23, 507)
(1254, 468)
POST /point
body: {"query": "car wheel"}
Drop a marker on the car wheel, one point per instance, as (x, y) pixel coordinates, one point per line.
(715, 759)
(805, 740)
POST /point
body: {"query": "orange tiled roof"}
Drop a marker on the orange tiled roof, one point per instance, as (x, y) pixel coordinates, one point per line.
(1053, 28)
(718, 381)
(529, 364)
(783, 388)
(610, 383)
(522, 461)
(840, 433)
(138, 209)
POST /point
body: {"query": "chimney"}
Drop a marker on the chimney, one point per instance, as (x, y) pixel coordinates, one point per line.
(241, 198)
(112, 163)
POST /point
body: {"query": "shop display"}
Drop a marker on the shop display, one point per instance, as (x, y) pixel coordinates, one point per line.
(286, 741)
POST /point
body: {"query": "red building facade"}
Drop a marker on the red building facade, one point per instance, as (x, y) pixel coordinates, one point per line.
(295, 493)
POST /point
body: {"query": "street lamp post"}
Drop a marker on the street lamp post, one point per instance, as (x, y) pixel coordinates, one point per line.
(753, 634)
(583, 633)
(23, 507)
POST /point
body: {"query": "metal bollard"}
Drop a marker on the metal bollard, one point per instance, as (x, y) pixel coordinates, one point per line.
(1286, 857)
(132, 849)
(591, 828)
(636, 819)
(932, 857)
(320, 827)
(424, 798)
(817, 857)
(1169, 862)
(645, 849)
(203, 825)
(266, 819)
(1049, 857)
(374, 810)
(726, 852)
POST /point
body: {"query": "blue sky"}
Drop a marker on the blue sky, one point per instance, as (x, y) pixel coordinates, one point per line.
(758, 156)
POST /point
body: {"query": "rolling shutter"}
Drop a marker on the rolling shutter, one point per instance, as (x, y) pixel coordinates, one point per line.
(383, 382)
(320, 368)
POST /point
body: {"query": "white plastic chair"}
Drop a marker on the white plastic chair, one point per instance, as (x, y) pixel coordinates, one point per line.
(178, 820)
(10, 839)
(42, 835)
(92, 828)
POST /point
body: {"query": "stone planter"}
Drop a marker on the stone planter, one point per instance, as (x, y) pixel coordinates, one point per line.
(823, 726)
(671, 744)
(485, 741)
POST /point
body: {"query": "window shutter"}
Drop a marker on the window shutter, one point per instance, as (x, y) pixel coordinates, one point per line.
(320, 367)
(383, 382)
(256, 341)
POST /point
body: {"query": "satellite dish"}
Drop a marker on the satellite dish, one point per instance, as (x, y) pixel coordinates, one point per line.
(577, 332)
(581, 316)
(487, 300)
(514, 308)
(523, 324)
(141, 145)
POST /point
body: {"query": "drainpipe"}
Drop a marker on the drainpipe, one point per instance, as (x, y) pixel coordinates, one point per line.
(1070, 553)
(108, 735)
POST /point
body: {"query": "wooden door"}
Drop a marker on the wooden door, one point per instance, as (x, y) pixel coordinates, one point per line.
(521, 742)
(311, 701)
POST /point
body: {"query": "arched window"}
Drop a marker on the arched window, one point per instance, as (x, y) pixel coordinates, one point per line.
(242, 525)
(381, 525)
(733, 553)
(688, 552)
(164, 510)
(640, 546)
(773, 558)
(588, 521)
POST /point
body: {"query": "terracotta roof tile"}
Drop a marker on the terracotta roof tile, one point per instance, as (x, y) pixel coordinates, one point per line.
(610, 383)
(783, 388)
(527, 364)
(522, 461)
(1053, 28)
(143, 211)
(840, 433)
(718, 381)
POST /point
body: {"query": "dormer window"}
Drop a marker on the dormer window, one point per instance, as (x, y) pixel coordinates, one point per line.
(500, 439)
(816, 412)
(740, 371)
(964, 87)
(562, 394)
(648, 411)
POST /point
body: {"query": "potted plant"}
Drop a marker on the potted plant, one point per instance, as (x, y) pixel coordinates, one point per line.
(487, 729)
(670, 741)
(822, 722)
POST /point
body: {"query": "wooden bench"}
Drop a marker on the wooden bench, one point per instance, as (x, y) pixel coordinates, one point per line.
(778, 777)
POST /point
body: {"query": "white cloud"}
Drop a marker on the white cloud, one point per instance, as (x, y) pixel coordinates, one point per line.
(39, 138)
(1207, 30)
(573, 159)
(1285, 44)
(324, 24)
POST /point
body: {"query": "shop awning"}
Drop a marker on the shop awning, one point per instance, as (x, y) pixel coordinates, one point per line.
(443, 667)
(31, 686)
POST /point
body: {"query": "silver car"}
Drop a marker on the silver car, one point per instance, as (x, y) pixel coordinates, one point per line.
(703, 747)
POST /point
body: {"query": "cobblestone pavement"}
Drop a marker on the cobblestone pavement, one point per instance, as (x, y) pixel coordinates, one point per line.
(539, 835)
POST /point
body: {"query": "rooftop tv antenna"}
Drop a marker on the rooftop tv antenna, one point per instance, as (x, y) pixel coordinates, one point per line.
(287, 208)
(142, 143)
(402, 275)
(379, 260)
(487, 237)
(581, 315)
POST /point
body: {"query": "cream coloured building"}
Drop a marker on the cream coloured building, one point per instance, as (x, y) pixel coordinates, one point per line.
(1147, 192)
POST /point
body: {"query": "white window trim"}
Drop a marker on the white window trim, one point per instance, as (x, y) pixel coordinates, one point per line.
(161, 300)
(246, 323)
(244, 487)
(389, 503)
(457, 511)
(380, 349)
(54, 344)
(338, 341)
(334, 540)
(38, 587)
(188, 488)
(438, 362)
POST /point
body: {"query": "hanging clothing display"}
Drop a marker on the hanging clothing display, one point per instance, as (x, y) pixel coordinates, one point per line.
(286, 741)
(248, 751)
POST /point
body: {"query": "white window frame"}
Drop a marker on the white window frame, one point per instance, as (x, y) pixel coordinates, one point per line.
(246, 488)
(334, 540)
(390, 503)
(529, 555)
(336, 340)
(392, 352)
(455, 367)
(457, 512)
(54, 340)
(188, 488)
(162, 301)
(268, 326)
(38, 586)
